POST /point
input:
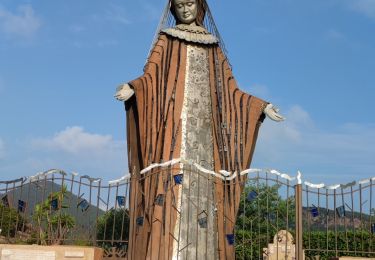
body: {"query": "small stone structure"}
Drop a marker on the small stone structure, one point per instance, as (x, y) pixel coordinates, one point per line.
(283, 247)
(35, 252)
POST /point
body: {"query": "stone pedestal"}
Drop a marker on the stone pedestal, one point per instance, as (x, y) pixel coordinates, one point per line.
(35, 252)
(283, 247)
(353, 258)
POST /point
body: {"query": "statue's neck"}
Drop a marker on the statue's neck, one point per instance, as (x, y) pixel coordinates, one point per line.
(191, 24)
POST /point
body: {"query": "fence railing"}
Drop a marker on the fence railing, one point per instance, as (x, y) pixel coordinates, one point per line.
(55, 207)
(339, 219)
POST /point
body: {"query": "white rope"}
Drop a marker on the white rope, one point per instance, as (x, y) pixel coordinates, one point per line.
(75, 174)
(299, 177)
(91, 179)
(274, 172)
(251, 171)
(282, 175)
(121, 180)
(234, 175)
(155, 165)
(333, 187)
(37, 176)
(344, 186)
(223, 174)
(365, 181)
(287, 177)
(315, 186)
(204, 170)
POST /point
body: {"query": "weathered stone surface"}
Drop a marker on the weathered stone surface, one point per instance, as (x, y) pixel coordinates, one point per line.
(282, 248)
(354, 258)
(34, 252)
(196, 232)
(24, 254)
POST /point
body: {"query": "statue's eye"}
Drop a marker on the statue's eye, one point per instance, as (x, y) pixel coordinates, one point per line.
(189, 4)
(179, 5)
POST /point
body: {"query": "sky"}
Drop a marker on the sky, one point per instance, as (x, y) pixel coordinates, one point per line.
(61, 61)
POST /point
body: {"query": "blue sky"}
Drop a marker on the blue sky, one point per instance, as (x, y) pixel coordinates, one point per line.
(60, 62)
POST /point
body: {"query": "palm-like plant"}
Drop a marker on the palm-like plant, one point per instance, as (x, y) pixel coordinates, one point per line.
(53, 223)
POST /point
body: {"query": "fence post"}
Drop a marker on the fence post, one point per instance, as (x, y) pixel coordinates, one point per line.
(299, 240)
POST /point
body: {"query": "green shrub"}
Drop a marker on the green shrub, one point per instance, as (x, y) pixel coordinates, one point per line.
(347, 243)
(10, 221)
(113, 226)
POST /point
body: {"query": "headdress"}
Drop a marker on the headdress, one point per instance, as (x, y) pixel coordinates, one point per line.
(204, 19)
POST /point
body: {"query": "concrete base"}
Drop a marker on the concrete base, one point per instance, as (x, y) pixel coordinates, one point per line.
(35, 252)
(353, 258)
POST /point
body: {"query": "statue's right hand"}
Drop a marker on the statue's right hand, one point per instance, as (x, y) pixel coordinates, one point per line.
(124, 92)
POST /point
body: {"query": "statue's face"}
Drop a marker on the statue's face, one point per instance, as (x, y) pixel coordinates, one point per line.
(186, 10)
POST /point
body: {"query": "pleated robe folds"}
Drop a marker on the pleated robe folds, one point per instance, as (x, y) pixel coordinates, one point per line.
(154, 136)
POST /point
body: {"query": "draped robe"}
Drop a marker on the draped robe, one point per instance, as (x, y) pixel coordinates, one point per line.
(154, 136)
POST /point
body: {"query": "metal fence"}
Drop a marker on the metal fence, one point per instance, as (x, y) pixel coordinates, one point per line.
(339, 219)
(55, 207)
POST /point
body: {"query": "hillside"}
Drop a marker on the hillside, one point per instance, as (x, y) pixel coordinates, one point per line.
(35, 193)
(352, 220)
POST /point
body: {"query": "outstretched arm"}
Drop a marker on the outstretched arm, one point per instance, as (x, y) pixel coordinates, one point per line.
(272, 112)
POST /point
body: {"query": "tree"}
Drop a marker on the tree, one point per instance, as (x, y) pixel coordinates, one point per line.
(113, 228)
(10, 221)
(263, 212)
(53, 223)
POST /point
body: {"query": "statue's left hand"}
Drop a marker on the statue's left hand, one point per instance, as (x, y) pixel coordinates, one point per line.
(124, 92)
(273, 113)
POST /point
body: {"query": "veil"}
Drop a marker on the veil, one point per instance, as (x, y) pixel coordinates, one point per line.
(204, 18)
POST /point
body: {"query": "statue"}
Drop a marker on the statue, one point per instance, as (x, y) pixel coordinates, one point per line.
(187, 105)
(282, 248)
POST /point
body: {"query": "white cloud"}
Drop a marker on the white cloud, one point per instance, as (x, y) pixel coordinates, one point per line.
(366, 7)
(74, 149)
(290, 131)
(74, 140)
(2, 149)
(23, 23)
(325, 155)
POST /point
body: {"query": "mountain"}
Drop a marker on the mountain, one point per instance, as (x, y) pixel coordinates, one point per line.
(326, 218)
(30, 194)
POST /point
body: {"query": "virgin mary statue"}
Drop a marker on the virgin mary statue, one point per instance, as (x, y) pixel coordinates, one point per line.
(186, 107)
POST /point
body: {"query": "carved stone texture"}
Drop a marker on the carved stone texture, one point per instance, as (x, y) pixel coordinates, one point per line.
(196, 241)
(282, 247)
(24, 254)
(114, 253)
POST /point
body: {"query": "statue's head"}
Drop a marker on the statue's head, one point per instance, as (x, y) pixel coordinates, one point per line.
(188, 11)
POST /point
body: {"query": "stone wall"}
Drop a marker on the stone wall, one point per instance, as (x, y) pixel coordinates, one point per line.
(35, 252)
